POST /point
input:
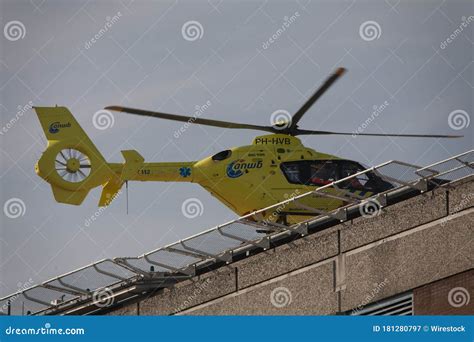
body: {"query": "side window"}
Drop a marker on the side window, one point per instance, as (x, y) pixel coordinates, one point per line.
(316, 172)
(322, 172)
(293, 172)
(222, 155)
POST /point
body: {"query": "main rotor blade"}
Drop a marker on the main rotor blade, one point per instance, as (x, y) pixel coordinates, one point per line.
(309, 132)
(322, 89)
(191, 119)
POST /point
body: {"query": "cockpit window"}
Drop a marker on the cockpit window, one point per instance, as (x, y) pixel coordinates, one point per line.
(322, 172)
(367, 181)
(359, 182)
(310, 172)
(222, 155)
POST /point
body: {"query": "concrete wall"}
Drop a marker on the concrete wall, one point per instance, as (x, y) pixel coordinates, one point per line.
(411, 244)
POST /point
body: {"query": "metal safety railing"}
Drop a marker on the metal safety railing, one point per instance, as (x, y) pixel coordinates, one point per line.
(101, 280)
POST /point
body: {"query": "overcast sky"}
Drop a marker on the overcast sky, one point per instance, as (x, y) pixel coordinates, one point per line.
(145, 60)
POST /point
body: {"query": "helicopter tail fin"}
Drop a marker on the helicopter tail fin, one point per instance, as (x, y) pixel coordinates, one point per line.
(71, 163)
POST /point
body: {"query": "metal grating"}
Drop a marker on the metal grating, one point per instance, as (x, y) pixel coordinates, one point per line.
(397, 306)
(218, 245)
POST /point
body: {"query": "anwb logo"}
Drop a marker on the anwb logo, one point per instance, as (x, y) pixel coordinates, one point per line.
(55, 126)
(235, 169)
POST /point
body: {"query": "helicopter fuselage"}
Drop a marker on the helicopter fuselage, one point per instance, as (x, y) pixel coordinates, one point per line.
(272, 169)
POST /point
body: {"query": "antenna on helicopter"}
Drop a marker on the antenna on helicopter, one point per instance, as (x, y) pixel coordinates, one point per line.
(290, 128)
(126, 194)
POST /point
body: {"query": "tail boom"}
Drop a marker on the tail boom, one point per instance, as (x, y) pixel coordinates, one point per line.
(72, 164)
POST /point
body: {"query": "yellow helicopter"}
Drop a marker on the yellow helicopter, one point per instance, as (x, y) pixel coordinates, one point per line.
(273, 168)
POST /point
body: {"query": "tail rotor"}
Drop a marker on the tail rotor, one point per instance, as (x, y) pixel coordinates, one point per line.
(72, 165)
